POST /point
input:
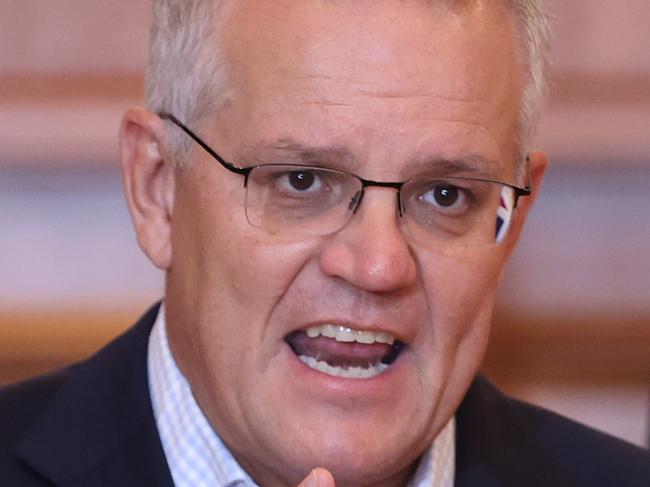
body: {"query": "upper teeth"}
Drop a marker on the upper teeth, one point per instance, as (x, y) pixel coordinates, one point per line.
(345, 334)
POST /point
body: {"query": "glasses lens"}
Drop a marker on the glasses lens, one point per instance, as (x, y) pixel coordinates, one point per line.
(299, 200)
(457, 211)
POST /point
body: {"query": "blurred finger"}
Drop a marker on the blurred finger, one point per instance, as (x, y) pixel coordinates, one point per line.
(319, 477)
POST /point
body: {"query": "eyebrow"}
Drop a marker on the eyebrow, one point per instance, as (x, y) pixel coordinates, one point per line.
(341, 158)
(292, 152)
(329, 154)
(442, 166)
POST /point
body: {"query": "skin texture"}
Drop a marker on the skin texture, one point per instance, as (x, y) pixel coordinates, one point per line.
(385, 88)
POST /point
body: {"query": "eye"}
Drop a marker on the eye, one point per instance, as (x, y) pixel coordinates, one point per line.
(446, 197)
(300, 182)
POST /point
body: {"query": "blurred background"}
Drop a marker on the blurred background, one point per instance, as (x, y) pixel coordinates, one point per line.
(572, 330)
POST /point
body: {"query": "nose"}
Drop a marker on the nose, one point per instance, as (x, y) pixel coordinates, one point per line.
(370, 252)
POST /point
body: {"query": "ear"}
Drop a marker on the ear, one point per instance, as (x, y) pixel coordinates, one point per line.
(148, 183)
(537, 163)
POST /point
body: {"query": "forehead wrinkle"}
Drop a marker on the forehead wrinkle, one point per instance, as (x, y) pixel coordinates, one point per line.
(424, 112)
(328, 103)
(358, 97)
(388, 94)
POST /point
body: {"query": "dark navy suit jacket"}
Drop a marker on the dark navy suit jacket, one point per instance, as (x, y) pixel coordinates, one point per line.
(92, 425)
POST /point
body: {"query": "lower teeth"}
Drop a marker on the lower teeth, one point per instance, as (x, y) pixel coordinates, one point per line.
(347, 372)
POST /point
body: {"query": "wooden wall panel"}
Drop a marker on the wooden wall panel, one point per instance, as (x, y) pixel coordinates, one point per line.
(73, 36)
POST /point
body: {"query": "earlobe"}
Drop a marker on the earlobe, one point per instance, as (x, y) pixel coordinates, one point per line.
(148, 183)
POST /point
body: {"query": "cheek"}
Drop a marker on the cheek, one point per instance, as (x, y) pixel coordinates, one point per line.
(460, 289)
(225, 280)
(219, 255)
(264, 268)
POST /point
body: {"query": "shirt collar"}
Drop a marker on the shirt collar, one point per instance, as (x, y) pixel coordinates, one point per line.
(197, 457)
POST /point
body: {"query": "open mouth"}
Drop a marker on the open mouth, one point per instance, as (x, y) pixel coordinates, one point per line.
(340, 351)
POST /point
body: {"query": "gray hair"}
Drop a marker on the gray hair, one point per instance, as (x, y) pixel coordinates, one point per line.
(534, 30)
(187, 74)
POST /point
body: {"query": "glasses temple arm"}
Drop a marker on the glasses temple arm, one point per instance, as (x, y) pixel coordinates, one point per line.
(231, 167)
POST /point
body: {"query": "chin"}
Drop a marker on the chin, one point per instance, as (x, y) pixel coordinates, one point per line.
(355, 451)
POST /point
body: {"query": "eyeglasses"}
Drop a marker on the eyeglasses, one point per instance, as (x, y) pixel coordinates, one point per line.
(306, 201)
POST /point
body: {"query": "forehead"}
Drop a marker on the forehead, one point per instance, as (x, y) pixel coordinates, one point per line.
(387, 60)
(329, 37)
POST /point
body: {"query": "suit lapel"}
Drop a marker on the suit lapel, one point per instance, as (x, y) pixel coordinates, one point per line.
(99, 428)
(497, 445)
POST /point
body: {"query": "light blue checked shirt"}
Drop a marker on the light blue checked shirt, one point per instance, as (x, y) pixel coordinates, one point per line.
(196, 455)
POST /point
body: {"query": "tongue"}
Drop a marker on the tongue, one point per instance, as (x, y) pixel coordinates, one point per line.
(338, 353)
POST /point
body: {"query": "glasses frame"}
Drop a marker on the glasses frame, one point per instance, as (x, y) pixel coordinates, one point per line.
(365, 183)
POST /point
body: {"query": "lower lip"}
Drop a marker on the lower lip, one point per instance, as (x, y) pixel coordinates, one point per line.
(384, 382)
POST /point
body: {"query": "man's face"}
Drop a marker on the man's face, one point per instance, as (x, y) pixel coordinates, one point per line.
(383, 88)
